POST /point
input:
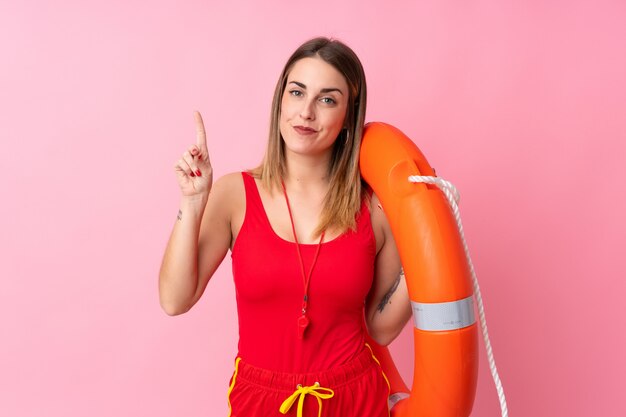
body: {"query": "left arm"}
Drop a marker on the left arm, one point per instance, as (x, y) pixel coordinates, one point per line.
(388, 307)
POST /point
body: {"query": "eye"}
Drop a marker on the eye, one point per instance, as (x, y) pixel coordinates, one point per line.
(328, 100)
(295, 93)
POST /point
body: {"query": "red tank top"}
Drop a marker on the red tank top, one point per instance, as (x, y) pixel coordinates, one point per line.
(269, 290)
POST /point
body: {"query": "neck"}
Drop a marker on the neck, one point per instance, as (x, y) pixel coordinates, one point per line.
(306, 172)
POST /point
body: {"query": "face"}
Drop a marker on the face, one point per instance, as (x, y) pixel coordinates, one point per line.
(313, 107)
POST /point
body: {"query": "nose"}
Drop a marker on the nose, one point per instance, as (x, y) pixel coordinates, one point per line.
(307, 112)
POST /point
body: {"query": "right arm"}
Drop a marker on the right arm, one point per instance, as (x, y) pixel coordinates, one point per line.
(201, 235)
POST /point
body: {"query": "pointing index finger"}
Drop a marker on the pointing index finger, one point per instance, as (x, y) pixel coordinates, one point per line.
(200, 132)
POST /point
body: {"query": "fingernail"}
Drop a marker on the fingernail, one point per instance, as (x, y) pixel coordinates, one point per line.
(198, 173)
(192, 174)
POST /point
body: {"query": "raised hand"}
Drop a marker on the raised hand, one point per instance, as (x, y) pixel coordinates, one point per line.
(193, 169)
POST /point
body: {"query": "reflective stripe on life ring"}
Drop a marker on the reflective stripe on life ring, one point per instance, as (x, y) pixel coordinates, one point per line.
(451, 315)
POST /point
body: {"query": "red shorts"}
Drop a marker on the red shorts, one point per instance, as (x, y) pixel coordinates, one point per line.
(356, 388)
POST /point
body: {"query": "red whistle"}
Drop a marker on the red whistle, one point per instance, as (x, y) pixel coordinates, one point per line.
(303, 322)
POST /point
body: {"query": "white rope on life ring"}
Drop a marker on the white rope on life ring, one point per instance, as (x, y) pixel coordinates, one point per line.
(453, 198)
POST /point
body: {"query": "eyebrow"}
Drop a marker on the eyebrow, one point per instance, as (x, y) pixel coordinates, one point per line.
(323, 90)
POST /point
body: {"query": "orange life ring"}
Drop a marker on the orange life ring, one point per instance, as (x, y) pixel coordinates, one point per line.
(438, 278)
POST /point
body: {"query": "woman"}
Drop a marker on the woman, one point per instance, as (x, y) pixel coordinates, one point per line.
(310, 248)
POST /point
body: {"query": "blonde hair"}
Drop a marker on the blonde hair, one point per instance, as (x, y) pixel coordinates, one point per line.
(346, 191)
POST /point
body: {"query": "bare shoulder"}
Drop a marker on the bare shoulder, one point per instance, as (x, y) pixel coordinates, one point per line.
(228, 199)
(227, 187)
(233, 179)
(380, 224)
(227, 193)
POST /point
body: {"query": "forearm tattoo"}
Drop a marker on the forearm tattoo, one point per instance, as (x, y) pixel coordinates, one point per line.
(383, 303)
(180, 215)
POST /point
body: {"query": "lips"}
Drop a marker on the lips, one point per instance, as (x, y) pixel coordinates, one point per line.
(304, 130)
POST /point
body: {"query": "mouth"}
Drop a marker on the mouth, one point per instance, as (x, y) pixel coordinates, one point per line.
(304, 130)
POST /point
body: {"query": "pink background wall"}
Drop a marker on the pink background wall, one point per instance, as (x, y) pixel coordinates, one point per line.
(522, 104)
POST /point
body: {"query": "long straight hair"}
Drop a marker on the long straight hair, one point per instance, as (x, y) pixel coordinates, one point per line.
(346, 191)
